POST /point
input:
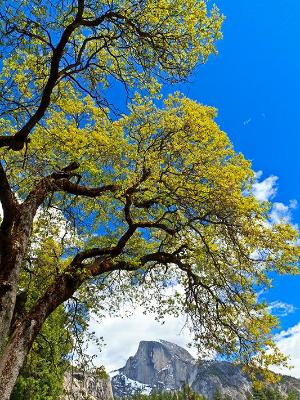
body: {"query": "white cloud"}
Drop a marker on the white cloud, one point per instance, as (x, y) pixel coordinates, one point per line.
(122, 336)
(282, 212)
(247, 121)
(288, 342)
(266, 189)
(281, 309)
(293, 204)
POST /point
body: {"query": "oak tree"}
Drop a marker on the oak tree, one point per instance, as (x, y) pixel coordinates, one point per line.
(157, 199)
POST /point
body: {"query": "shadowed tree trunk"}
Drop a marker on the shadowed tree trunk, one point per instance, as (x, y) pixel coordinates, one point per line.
(26, 327)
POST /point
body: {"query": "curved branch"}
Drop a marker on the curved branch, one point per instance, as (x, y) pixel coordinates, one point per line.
(17, 141)
(60, 181)
(67, 186)
(33, 36)
(102, 252)
(156, 225)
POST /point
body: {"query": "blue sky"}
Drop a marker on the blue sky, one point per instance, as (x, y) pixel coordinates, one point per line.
(255, 84)
(256, 76)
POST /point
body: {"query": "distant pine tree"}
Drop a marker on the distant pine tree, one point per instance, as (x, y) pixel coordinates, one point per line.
(186, 393)
(292, 395)
(218, 395)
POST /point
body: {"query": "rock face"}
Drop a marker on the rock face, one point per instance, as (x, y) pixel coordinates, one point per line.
(160, 362)
(79, 386)
(162, 365)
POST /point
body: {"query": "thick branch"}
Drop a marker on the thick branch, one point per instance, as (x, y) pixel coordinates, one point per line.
(52, 80)
(111, 251)
(80, 190)
(8, 201)
(65, 286)
(156, 225)
(60, 181)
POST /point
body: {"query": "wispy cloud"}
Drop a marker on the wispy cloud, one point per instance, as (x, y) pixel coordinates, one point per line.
(282, 212)
(247, 121)
(281, 309)
(254, 118)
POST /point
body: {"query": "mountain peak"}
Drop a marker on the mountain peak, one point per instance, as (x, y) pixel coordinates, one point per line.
(169, 349)
(159, 364)
(162, 365)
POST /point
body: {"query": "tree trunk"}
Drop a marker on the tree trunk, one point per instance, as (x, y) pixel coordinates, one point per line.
(9, 275)
(14, 355)
(25, 330)
(14, 241)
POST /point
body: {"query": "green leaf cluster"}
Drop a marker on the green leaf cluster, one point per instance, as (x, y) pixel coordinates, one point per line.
(269, 393)
(197, 223)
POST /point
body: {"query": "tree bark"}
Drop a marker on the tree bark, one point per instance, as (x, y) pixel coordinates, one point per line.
(12, 255)
(15, 232)
(9, 268)
(25, 330)
(14, 355)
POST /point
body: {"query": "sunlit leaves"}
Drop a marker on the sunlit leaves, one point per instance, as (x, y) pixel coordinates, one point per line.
(135, 43)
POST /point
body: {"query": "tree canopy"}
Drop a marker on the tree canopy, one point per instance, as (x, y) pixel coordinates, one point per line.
(155, 200)
(51, 48)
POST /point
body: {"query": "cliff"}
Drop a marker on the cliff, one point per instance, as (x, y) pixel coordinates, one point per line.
(158, 366)
(79, 386)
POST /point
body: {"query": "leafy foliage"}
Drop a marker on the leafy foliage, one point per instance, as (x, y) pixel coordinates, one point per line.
(159, 203)
(180, 199)
(87, 48)
(64, 332)
(269, 393)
